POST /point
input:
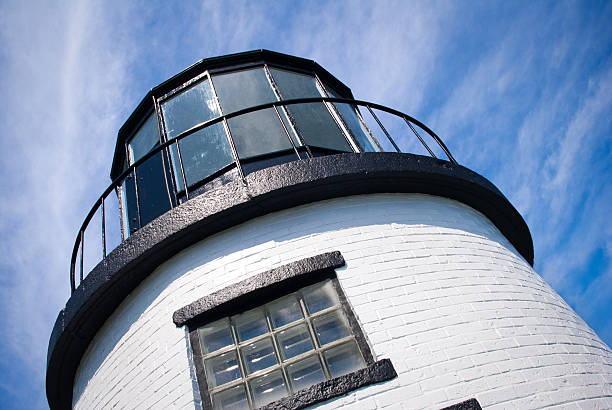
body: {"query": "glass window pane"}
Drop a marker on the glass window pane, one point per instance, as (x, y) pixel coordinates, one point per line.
(355, 125)
(294, 85)
(203, 153)
(268, 388)
(192, 106)
(234, 398)
(215, 336)
(145, 139)
(222, 369)
(343, 359)
(243, 89)
(294, 341)
(153, 198)
(313, 120)
(305, 373)
(330, 327)
(320, 296)
(250, 324)
(318, 128)
(285, 311)
(258, 133)
(258, 355)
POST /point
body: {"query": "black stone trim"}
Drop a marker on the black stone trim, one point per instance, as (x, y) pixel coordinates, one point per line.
(377, 372)
(471, 404)
(269, 190)
(251, 289)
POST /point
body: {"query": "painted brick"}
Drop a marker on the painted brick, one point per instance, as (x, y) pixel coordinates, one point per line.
(435, 285)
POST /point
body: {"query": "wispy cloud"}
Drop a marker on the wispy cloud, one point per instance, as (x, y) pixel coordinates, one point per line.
(522, 94)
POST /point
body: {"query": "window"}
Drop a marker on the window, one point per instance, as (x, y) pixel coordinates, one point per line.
(258, 132)
(249, 354)
(287, 345)
(205, 151)
(313, 120)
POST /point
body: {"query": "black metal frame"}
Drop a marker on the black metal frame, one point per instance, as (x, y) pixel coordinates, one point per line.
(116, 184)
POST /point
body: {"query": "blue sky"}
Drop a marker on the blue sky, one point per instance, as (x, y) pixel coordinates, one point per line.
(521, 92)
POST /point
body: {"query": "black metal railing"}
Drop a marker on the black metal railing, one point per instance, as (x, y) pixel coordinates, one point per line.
(377, 134)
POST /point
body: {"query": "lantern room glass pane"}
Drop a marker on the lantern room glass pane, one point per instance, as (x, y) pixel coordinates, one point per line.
(259, 132)
(313, 120)
(153, 198)
(145, 139)
(355, 125)
(243, 89)
(192, 106)
(203, 153)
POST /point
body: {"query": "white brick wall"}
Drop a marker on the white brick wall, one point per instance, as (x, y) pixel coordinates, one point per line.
(434, 284)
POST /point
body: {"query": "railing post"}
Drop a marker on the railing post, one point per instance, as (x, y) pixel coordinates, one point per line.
(180, 158)
(103, 229)
(82, 234)
(384, 129)
(419, 137)
(287, 132)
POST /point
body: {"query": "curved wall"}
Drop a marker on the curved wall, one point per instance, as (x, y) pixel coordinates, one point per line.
(435, 285)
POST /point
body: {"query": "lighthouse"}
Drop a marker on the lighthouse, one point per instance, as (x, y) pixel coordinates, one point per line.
(281, 244)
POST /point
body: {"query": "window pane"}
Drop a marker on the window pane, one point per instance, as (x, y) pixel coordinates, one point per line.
(215, 336)
(355, 125)
(330, 327)
(294, 341)
(250, 324)
(233, 399)
(318, 128)
(313, 120)
(285, 311)
(203, 153)
(294, 85)
(190, 107)
(145, 139)
(343, 359)
(153, 199)
(258, 133)
(320, 296)
(222, 369)
(243, 89)
(268, 388)
(305, 373)
(258, 355)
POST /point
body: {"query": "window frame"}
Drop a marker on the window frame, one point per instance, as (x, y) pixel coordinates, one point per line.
(267, 287)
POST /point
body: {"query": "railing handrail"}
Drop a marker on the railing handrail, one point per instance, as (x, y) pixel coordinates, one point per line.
(119, 179)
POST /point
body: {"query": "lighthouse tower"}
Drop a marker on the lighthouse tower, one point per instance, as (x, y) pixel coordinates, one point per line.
(269, 241)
